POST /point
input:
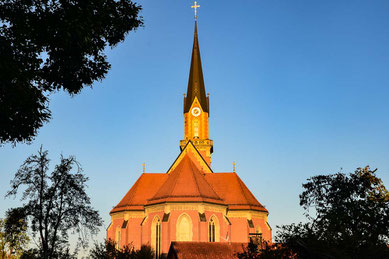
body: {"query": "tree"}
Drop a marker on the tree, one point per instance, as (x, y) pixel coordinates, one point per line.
(348, 217)
(13, 233)
(56, 203)
(260, 249)
(108, 250)
(47, 46)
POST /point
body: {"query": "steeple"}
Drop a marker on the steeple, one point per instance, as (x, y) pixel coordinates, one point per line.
(196, 105)
(196, 86)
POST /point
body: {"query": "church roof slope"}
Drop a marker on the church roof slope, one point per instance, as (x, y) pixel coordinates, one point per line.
(196, 86)
(233, 191)
(144, 188)
(186, 183)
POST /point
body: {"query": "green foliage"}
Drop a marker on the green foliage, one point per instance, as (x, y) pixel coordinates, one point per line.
(258, 249)
(108, 250)
(46, 46)
(348, 217)
(13, 234)
(56, 203)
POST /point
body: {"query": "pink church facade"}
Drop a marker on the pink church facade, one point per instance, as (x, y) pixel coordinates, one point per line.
(189, 202)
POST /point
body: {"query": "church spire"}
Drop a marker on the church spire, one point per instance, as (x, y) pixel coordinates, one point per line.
(196, 86)
(196, 105)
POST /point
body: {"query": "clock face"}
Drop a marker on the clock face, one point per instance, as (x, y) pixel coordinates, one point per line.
(196, 111)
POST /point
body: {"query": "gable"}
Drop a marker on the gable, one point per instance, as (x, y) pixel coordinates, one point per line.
(191, 150)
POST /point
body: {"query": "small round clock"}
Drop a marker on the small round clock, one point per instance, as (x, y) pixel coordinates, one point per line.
(196, 111)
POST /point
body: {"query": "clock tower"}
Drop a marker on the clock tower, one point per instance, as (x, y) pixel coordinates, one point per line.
(196, 107)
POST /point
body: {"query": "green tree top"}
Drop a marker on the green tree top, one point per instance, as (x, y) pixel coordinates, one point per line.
(348, 217)
(56, 202)
(46, 46)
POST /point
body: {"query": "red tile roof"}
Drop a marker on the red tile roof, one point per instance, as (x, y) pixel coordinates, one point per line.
(144, 188)
(209, 250)
(233, 191)
(186, 183)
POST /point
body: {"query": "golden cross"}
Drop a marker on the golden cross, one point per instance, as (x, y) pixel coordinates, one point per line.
(144, 165)
(195, 6)
(233, 166)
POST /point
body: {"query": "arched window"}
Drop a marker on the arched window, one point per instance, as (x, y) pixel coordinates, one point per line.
(258, 233)
(156, 236)
(213, 230)
(196, 128)
(258, 230)
(211, 226)
(118, 238)
(184, 228)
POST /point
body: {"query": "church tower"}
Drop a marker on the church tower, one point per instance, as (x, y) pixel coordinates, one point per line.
(190, 204)
(196, 107)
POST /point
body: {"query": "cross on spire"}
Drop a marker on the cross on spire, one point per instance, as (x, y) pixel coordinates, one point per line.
(195, 6)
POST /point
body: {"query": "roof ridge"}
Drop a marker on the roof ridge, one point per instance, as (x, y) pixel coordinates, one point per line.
(135, 186)
(175, 181)
(209, 185)
(194, 177)
(241, 187)
(198, 153)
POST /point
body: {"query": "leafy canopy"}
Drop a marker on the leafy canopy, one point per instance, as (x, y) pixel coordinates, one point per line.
(56, 203)
(13, 233)
(348, 217)
(52, 45)
(109, 249)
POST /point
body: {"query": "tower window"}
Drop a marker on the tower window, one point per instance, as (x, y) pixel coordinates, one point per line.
(196, 128)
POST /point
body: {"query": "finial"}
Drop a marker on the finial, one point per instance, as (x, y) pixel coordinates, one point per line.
(195, 6)
(207, 94)
(233, 166)
(144, 166)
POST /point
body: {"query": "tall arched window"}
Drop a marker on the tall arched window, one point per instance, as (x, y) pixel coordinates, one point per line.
(258, 235)
(211, 226)
(258, 230)
(213, 229)
(184, 228)
(118, 238)
(156, 236)
(196, 128)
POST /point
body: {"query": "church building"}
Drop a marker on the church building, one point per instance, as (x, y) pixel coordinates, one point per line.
(189, 202)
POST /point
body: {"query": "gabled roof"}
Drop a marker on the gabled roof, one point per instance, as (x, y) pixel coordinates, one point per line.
(209, 250)
(233, 191)
(186, 182)
(192, 150)
(189, 179)
(144, 188)
(196, 86)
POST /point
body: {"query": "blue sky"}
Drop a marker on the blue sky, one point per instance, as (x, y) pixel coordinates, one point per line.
(297, 88)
